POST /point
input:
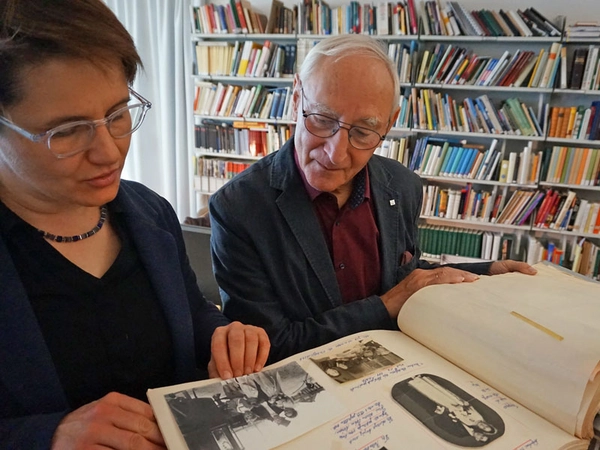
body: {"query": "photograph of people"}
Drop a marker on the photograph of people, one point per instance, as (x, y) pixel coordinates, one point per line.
(257, 411)
(447, 410)
(356, 361)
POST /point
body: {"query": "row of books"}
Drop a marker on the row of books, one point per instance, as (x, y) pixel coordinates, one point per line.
(233, 17)
(240, 138)
(396, 149)
(210, 174)
(459, 204)
(255, 101)
(582, 256)
(454, 159)
(453, 19)
(404, 57)
(575, 122)
(435, 240)
(566, 211)
(521, 168)
(571, 165)
(245, 59)
(579, 30)
(383, 18)
(436, 111)
(450, 64)
(585, 69)
(547, 209)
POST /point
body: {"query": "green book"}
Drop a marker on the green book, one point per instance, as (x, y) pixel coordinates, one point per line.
(522, 122)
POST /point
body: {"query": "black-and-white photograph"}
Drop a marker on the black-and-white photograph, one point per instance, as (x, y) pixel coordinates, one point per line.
(449, 411)
(357, 361)
(256, 411)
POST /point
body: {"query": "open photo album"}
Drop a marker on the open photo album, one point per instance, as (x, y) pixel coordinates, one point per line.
(509, 362)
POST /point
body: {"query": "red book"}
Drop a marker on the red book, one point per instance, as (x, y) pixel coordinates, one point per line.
(240, 14)
(514, 72)
(543, 209)
(496, 207)
(412, 14)
(469, 70)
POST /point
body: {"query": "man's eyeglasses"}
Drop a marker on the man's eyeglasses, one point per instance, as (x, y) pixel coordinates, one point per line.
(324, 126)
(75, 137)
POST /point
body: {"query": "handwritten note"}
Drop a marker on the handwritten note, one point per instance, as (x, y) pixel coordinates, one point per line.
(491, 396)
(330, 348)
(362, 422)
(378, 377)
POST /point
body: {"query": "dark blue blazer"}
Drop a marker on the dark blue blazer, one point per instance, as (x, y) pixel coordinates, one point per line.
(272, 263)
(32, 401)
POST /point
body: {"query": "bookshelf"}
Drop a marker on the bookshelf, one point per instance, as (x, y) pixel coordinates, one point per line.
(537, 99)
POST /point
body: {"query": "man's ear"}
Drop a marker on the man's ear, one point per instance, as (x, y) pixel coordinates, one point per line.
(393, 119)
(296, 96)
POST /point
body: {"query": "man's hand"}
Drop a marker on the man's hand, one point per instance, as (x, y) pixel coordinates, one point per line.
(395, 298)
(237, 350)
(115, 421)
(508, 265)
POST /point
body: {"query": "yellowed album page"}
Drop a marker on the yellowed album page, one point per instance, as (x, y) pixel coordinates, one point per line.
(534, 338)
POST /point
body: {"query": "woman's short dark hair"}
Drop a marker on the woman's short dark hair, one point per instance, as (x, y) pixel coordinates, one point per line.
(35, 31)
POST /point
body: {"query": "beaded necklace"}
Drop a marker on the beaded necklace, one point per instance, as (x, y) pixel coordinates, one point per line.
(78, 237)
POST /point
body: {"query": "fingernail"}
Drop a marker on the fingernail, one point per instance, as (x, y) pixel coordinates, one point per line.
(258, 368)
(226, 375)
(248, 370)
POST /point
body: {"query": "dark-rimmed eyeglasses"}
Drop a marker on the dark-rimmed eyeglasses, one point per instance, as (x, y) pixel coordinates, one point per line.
(324, 126)
(75, 137)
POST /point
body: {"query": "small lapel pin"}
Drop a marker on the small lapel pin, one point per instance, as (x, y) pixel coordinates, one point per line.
(392, 202)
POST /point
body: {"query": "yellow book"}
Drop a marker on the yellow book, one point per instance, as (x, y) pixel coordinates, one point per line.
(581, 168)
(427, 102)
(571, 122)
(423, 66)
(536, 67)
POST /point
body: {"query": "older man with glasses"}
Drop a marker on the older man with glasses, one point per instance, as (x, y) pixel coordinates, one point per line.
(319, 239)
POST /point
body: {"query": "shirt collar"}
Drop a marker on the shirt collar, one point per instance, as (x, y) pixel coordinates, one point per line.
(361, 189)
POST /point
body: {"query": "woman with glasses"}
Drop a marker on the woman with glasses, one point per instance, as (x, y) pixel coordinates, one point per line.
(98, 302)
(329, 246)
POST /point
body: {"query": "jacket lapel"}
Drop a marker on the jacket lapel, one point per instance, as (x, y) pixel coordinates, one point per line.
(297, 210)
(386, 201)
(158, 252)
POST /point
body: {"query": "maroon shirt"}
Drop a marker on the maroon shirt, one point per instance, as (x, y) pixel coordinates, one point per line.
(352, 237)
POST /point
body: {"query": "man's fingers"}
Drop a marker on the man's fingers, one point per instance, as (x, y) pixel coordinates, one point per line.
(450, 275)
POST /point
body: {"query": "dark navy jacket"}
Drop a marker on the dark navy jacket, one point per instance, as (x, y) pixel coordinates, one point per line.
(273, 265)
(32, 401)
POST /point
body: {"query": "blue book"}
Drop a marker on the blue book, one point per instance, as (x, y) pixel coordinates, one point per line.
(595, 127)
(447, 163)
(469, 163)
(275, 104)
(464, 160)
(417, 154)
(486, 117)
(452, 170)
(282, 100)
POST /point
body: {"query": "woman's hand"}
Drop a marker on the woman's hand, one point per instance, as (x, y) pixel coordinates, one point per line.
(237, 350)
(115, 421)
